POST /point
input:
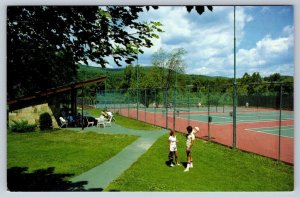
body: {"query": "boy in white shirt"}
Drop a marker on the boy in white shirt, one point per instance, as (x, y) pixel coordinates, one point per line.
(173, 149)
(190, 138)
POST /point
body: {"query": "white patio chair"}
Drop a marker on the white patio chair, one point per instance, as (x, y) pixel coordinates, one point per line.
(100, 121)
(110, 114)
(89, 123)
(108, 122)
(63, 122)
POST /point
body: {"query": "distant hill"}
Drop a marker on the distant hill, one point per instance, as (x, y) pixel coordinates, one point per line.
(88, 72)
(99, 71)
(115, 76)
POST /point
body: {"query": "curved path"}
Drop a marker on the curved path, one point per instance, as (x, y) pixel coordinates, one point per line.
(100, 176)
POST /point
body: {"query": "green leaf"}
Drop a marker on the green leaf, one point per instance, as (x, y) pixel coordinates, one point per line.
(155, 36)
(200, 9)
(210, 8)
(189, 8)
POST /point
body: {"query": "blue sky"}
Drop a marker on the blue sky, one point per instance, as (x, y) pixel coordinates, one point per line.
(265, 39)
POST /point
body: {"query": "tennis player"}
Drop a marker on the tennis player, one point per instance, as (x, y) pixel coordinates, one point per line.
(190, 138)
(173, 149)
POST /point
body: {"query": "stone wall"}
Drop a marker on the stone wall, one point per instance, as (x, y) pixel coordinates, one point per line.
(32, 114)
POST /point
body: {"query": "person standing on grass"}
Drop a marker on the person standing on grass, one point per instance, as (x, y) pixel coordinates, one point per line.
(173, 149)
(190, 138)
(195, 130)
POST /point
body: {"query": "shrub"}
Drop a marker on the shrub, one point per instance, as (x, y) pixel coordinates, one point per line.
(45, 121)
(22, 126)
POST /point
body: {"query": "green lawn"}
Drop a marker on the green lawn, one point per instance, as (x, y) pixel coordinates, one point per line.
(124, 121)
(134, 124)
(67, 151)
(216, 168)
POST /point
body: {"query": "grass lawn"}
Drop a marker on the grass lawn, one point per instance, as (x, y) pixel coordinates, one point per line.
(67, 151)
(134, 124)
(216, 168)
(124, 121)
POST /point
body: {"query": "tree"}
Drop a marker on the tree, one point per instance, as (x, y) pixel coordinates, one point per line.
(44, 43)
(245, 79)
(127, 77)
(149, 86)
(168, 65)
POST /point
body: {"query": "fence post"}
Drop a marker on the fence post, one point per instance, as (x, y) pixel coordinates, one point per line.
(145, 112)
(82, 126)
(137, 104)
(174, 115)
(189, 117)
(208, 111)
(280, 111)
(128, 90)
(166, 107)
(137, 89)
(234, 86)
(115, 109)
(234, 115)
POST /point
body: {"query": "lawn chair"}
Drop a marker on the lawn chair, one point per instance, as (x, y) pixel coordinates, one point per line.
(63, 122)
(108, 122)
(89, 122)
(100, 121)
(110, 114)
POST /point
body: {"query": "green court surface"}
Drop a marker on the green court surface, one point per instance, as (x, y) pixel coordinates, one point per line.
(286, 131)
(186, 109)
(225, 118)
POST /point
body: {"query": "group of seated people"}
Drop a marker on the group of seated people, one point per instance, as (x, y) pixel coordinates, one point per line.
(74, 120)
(77, 120)
(107, 114)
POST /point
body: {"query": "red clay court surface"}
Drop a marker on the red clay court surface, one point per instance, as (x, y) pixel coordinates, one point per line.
(273, 146)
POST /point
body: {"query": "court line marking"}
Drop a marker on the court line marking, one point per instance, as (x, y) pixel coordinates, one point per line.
(251, 130)
(238, 120)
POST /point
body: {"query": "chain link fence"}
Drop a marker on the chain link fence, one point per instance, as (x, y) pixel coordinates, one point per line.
(264, 115)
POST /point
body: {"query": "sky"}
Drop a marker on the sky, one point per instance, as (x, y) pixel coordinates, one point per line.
(264, 39)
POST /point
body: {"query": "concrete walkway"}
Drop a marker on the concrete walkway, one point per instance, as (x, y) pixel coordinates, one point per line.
(100, 176)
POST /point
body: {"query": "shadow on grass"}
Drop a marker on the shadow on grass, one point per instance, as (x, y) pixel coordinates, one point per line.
(18, 179)
(184, 163)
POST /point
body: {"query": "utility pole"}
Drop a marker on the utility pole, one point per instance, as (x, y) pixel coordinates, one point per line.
(137, 88)
(234, 86)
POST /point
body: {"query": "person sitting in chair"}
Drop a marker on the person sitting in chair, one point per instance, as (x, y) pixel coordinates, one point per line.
(105, 114)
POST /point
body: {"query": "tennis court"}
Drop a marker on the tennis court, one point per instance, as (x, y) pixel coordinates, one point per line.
(192, 109)
(257, 129)
(286, 131)
(226, 118)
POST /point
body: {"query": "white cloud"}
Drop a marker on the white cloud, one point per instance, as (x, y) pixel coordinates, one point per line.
(283, 69)
(175, 25)
(288, 30)
(265, 9)
(208, 40)
(272, 47)
(241, 19)
(266, 55)
(173, 20)
(157, 44)
(213, 54)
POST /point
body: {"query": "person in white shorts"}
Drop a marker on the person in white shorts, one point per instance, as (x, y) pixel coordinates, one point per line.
(173, 149)
(190, 138)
